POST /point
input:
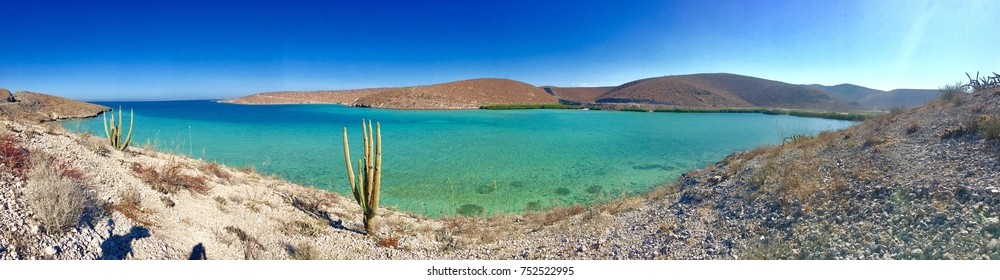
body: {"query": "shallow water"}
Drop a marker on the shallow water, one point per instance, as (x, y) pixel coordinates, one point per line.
(443, 163)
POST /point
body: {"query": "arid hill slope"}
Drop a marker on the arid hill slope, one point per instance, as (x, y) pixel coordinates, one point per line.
(577, 94)
(38, 107)
(466, 94)
(721, 90)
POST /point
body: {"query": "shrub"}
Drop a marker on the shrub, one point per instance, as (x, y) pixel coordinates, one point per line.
(952, 94)
(989, 127)
(130, 205)
(171, 179)
(215, 169)
(14, 156)
(57, 198)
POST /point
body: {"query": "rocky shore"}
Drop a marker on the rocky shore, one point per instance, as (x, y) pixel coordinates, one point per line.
(917, 184)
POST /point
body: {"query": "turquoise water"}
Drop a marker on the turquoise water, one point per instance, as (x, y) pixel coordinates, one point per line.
(437, 162)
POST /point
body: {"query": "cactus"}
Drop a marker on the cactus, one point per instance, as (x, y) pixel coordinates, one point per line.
(114, 131)
(369, 177)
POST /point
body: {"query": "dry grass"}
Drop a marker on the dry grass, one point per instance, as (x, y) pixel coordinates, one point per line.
(216, 170)
(989, 127)
(390, 241)
(303, 228)
(14, 158)
(130, 205)
(56, 195)
(304, 251)
(251, 247)
(171, 179)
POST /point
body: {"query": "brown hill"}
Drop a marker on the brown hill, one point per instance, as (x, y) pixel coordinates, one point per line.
(576, 94)
(721, 90)
(38, 107)
(465, 94)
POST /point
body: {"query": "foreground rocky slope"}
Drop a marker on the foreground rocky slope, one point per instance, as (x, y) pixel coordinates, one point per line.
(912, 185)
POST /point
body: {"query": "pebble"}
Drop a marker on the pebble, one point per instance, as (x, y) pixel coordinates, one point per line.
(50, 251)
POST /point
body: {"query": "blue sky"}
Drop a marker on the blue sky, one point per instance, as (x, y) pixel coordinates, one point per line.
(153, 50)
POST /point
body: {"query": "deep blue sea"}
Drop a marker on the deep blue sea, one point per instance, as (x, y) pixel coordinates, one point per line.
(436, 162)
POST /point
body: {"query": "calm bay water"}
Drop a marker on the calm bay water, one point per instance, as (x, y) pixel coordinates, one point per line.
(437, 162)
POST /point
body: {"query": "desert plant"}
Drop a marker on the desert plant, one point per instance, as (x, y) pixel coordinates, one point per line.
(989, 127)
(14, 158)
(58, 200)
(114, 131)
(952, 94)
(369, 179)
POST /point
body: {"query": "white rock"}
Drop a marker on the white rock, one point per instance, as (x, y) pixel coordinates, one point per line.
(50, 250)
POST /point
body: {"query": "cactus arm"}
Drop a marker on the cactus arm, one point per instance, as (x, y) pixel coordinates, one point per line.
(378, 168)
(105, 122)
(350, 169)
(131, 121)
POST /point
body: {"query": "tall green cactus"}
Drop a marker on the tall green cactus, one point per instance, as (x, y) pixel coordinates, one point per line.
(369, 178)
(114, 131)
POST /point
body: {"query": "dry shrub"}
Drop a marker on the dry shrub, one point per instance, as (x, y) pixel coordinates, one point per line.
(951, 94)
(13, 156)
(304, 251)
(912, 128)
(303, 228)
(58, 201)
(215, 169)
(989, 127)
(171, 179)
(390, 241)
(251, 247)
(130, 205)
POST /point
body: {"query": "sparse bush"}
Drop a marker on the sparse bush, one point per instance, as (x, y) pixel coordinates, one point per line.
(304, 251)
(989, 127)
(251, 247)
(171, 179)
(913, 128)
(389, 242)
(130, 205)
(15, 158)
(57, 199)
(215, 169)
(952, 94)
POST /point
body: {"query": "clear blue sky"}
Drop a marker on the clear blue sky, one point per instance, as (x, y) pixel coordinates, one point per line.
(99, 50)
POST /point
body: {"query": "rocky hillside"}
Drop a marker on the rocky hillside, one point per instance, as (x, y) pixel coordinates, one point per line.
(467, 94)
(38, 107)
(721, 90)
(576, 95)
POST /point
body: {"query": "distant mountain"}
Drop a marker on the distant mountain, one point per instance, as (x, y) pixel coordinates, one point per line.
(881, 100)
(849, 92)
(576, 95)
(39, 107)
(900, 98)
(466, 94)
(722, 90)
